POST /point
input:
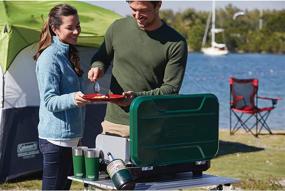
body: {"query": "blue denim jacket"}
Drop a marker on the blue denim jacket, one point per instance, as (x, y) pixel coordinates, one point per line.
(60, 118)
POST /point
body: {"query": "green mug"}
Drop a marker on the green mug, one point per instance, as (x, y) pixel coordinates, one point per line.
(92, 165)
(78, 161)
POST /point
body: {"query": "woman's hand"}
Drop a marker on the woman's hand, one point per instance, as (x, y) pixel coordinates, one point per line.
(79, 101)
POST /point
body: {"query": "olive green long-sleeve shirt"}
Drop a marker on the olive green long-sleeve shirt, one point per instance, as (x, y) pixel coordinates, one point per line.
(146, 62)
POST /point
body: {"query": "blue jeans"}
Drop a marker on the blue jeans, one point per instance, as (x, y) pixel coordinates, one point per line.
(57, 165)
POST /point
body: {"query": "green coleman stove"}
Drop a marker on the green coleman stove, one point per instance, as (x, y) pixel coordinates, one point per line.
(168, 134)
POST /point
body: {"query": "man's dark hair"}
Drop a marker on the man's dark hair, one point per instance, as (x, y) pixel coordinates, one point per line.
(153, 2)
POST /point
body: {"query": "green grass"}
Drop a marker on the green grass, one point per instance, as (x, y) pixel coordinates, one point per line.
(259, 163)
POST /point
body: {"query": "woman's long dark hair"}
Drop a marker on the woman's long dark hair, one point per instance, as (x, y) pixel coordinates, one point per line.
(54, 20)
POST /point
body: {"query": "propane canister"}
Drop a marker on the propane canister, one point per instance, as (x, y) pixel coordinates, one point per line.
(119, 174)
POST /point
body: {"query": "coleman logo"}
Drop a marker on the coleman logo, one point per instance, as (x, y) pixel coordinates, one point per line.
(27, 150)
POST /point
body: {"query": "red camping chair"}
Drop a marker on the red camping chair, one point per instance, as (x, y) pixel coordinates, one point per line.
(244, 106)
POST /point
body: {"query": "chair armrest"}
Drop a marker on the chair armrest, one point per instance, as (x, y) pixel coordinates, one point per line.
(274, 100)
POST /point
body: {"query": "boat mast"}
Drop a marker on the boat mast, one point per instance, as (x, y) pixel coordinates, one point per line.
(207, 29)
(213, 22)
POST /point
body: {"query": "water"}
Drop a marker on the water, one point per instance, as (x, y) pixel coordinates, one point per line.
(206, 74)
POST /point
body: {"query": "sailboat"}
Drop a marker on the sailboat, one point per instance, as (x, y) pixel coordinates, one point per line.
(216, 49)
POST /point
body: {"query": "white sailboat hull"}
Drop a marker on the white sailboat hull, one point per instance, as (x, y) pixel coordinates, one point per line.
(213, 51)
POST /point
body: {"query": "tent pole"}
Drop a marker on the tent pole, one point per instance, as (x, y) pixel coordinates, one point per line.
(3, 90)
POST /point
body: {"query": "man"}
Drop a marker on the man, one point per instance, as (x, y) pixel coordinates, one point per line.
(149, 58)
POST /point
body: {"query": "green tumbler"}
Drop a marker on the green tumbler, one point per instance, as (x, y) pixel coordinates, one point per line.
(78, 161)
(92, 163)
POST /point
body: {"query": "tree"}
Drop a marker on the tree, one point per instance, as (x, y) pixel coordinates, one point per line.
(242, 34)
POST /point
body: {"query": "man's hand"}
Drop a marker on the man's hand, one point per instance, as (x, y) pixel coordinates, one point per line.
(129, 96)
(79, 101)
(94, 74)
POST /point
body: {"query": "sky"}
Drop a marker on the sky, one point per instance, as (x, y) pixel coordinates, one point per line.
(122, 8)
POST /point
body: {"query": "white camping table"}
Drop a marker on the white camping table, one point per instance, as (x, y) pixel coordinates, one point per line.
(179, 181)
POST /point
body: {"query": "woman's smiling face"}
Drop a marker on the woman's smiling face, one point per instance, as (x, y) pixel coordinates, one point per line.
(69, 30)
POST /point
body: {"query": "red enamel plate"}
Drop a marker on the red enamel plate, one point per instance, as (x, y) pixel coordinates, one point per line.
(103, 97)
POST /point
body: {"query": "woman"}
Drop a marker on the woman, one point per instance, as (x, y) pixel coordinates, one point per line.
(61, 114)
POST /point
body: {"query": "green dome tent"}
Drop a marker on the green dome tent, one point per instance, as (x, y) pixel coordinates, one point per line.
(21, 22)
(20, 26)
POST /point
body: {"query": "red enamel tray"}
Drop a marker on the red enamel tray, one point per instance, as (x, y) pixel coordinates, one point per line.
(103, 97)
